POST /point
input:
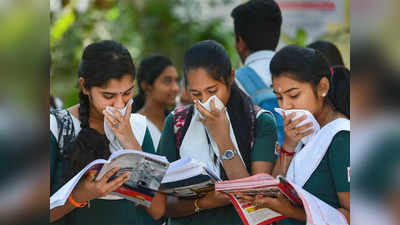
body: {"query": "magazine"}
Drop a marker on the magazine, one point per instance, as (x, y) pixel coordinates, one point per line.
(147, 171)
(260, 184)
(317, 211)
(188, 178)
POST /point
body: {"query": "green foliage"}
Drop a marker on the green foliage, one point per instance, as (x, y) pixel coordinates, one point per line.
(145, 27)
(300, 38)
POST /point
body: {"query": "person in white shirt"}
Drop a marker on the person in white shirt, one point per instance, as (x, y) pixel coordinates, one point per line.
(257, 25)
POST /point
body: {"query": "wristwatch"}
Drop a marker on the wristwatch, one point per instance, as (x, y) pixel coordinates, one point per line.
(229, 154)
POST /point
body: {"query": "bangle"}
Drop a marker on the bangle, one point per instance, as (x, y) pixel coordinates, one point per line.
(196, 206)
(283, 151)
(75, 203)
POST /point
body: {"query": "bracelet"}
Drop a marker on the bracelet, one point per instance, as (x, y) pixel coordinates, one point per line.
(196, 206)
(75, 203)
(282, 150)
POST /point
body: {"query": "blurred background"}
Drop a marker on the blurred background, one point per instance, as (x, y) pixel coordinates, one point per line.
(170, 26)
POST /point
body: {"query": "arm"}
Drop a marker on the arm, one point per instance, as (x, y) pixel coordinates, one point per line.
(218, 125)
(157, 207)
(89, 189)
(181, 208)
(292, 138)
(339, 161)
(344, 199)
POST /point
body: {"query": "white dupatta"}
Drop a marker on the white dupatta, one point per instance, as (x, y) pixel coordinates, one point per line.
(304, 164)
(195, 144)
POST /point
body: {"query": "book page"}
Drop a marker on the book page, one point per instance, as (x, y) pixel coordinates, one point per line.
(146, 176)
(317, 211)
(250, 215)
(193, 191)
(60, 197)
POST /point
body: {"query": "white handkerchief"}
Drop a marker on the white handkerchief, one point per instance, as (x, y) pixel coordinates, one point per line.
(310, 118)
(207, 105)
(114, 143)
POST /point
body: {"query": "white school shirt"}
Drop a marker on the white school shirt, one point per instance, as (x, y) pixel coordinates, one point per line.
(259, 61)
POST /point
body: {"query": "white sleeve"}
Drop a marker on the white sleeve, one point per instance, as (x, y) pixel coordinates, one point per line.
(54, 126)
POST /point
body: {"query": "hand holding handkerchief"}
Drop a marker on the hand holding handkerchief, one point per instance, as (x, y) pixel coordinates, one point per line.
(309, 119)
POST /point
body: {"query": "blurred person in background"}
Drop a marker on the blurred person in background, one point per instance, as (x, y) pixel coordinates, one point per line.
(375, 157)
(330, 51)
(184, 97)
(302, 79)
(158, 87)
(106, 77)
(257, 26)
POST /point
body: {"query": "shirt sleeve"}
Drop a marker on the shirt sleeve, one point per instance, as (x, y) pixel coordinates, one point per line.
(339, 161)
(167, 144)
(265, 139)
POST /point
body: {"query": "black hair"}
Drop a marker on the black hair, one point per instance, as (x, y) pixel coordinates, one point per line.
(258, 22)
(149, 70)
(310, 65)
(101, 62)
(88, 146)
(330, 51)
(212, 57)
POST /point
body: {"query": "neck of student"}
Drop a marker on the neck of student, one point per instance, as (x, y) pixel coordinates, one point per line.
(96, 120)
(154, 111)
(244, 55)
(327, 115)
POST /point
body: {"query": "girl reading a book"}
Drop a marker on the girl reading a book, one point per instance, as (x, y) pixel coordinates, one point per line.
(302, 79)
(78, 136)
(223, 129)
(158, 87)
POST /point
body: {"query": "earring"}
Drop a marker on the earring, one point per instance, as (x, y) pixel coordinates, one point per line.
(323, 94)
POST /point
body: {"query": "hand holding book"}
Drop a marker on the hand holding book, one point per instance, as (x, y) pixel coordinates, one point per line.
(213, 199)
(278, 203)
(88, 189)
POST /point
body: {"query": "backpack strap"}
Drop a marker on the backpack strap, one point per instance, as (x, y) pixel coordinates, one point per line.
(181, 120)
(65, 125)
(253, 84)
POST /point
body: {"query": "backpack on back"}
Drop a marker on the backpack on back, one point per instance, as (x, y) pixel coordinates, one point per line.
(261, 94)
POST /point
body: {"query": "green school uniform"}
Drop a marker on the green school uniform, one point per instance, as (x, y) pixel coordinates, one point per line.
(262, 150)
(102, 212)
(330, 177)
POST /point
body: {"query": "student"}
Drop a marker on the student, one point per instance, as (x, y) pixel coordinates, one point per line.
(302, 79)
(236, 141)
(257, 25)
(158, 87)
(330, 51)
(106, 77)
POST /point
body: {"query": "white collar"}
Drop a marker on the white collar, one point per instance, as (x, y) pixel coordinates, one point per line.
(263, 54)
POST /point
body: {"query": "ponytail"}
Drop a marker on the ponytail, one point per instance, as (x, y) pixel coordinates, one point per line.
(138, 101)
(339, 91)
(84, 109)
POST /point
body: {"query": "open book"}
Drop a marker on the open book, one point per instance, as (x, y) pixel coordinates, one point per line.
(317, 211)
(260, 184)
(188, 178)
(147, 171)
